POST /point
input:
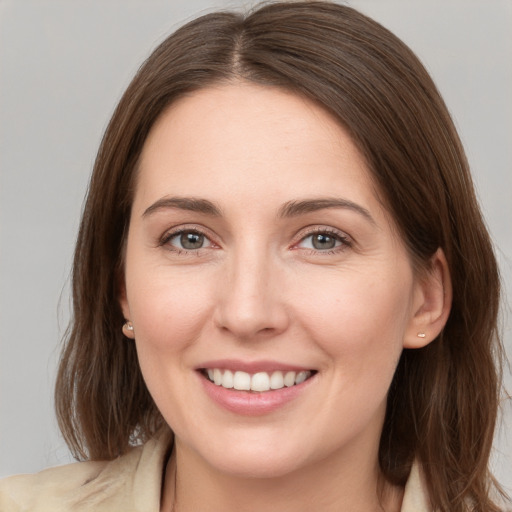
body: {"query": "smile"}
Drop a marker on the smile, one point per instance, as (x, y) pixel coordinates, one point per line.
(257, 382)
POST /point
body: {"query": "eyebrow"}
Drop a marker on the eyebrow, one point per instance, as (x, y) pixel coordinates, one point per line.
(192, 204)
(289, 209)
(296, 208)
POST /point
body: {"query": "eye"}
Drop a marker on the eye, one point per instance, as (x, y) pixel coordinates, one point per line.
(187, 240)
(323, 241)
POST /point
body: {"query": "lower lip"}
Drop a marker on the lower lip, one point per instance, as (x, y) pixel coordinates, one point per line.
(249, 403)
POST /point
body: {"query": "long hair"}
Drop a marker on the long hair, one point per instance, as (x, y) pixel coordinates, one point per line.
(443, 401)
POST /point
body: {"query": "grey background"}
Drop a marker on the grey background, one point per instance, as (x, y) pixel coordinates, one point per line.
(63, 67)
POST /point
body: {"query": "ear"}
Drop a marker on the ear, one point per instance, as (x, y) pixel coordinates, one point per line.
(432, 302)
(125, 308)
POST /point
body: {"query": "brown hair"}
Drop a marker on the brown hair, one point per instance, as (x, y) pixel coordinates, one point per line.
(443, 401)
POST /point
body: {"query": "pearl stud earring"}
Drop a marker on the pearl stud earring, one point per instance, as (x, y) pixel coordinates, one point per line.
(128, 329)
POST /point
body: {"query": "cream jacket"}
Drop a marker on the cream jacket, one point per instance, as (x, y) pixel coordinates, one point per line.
(131, 483)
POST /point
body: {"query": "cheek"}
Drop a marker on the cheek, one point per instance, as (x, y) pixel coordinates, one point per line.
(169, 315)
(168, 309)
(359, 319)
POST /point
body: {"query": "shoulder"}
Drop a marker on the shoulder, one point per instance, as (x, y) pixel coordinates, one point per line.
(48, 489)
(121, 484)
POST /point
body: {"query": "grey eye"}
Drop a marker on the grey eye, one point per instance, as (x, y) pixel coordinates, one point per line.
(323, 241)
(189, 240)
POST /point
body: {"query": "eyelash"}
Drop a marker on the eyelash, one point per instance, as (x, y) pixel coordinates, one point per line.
(167, 237)
(338, 236)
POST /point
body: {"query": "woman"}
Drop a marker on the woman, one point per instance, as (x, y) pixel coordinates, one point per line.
(281, 261)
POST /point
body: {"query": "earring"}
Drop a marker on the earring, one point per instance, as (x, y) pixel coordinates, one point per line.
(128, 329)
(420, 334)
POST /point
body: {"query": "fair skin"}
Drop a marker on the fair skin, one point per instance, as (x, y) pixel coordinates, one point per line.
(257, 243)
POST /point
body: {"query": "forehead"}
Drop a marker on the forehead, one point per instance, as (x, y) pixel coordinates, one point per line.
(248, 138)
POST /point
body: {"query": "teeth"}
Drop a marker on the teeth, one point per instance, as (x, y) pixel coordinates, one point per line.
(241, 381)
(301, 377)
(277, 380)
(228, 380)
(258, 382)
(289, 379)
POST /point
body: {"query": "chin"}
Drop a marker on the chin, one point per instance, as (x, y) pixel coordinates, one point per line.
(253, 459)
(263, 466)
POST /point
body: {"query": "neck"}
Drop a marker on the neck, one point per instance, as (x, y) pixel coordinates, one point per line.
(326, 485)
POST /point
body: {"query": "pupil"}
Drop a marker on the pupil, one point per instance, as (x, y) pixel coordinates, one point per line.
(322, 241)
(191, 240)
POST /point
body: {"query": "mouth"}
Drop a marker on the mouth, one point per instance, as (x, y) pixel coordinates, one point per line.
(259, 382)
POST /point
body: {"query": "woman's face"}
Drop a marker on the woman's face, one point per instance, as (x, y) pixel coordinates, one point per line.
(259, 255)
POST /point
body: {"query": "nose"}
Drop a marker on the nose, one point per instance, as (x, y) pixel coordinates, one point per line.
(250, 301)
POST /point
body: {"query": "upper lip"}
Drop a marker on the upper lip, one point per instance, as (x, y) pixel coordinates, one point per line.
(252, 366)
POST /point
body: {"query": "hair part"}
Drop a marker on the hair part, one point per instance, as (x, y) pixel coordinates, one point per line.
(443, 401)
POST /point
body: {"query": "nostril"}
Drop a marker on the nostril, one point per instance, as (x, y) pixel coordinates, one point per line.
(248, 306)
